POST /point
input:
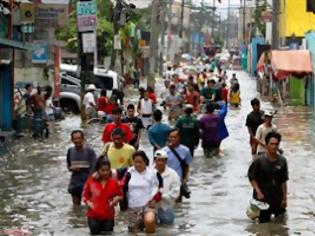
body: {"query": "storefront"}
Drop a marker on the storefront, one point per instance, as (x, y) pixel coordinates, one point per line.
(7, 49)
(286, 75)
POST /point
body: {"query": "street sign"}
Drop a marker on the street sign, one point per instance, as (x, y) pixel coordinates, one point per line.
(40, 54)
(117, 42)
(86, 8)
(86, 16)
(89, 42)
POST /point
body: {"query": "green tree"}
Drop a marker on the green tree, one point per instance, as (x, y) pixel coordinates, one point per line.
(105, 27)
(260, 25)
(69, 33)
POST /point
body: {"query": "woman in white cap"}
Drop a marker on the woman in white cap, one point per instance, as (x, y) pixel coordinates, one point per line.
(171, 189)
(89, 102)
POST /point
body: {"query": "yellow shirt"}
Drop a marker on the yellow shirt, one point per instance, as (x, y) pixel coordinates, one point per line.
(119, 158)
(235, 97)
(200, 79)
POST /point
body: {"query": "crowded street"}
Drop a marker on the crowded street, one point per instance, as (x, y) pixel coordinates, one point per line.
(34, 178)
(157, 117)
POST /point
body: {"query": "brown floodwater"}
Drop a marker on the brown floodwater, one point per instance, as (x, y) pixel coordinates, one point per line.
(34, 179)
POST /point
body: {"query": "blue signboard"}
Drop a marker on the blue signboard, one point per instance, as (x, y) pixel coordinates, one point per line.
(40, 54)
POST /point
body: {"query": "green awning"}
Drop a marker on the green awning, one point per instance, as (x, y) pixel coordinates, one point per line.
(17, 44)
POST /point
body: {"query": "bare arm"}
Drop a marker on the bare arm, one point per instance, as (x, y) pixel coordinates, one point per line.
(251, 133)
(186, 174)
(255, 186)
(139, 137)
(284, 189)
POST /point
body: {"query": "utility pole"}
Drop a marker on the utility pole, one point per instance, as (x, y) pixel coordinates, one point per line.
(244, 23)
(228, 25)
(117, 24)
(82, 61)
(162, 19)
(181, 29)
(154, 35)
(213, 19)
(275, 24)
(220, 28)
(169, 26)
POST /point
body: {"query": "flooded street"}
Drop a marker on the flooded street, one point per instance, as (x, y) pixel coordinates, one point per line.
(34, 179)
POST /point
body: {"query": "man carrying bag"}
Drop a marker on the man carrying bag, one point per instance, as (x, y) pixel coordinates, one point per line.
(179, 158)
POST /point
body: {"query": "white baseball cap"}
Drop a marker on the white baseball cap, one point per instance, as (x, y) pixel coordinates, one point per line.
(269, 113)
(160, 154)
(91, 87)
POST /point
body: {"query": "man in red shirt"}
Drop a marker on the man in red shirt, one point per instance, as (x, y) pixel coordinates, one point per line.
(117, 123)
(224, 93)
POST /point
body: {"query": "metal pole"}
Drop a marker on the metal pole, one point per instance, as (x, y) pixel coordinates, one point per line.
(275, 24)
(95, 50)
(82, 61)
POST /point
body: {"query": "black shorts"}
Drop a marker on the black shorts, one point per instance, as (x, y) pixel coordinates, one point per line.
(100, 226)
(76, 191)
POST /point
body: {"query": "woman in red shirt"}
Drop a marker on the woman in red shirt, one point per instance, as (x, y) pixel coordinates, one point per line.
(101, 195)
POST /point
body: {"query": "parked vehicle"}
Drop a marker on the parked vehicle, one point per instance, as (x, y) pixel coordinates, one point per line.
(70, 95)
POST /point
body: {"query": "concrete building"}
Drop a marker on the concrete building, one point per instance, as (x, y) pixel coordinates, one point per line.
(295, 21)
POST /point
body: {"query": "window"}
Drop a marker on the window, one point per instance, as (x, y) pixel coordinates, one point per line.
(67, 82)
(104, 82)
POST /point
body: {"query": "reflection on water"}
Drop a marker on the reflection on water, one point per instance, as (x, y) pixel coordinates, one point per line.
(34, 179)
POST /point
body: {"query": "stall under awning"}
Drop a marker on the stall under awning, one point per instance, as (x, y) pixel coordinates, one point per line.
(285, 63)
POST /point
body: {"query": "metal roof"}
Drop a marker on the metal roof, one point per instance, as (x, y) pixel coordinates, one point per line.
(17, 44)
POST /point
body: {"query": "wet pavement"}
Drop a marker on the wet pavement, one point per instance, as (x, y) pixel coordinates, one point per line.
(34, 178)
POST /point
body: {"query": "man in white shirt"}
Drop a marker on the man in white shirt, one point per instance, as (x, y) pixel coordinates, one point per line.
(169, 73)
(171, 189)
(89, 102)
(146, 107)
(263, 130)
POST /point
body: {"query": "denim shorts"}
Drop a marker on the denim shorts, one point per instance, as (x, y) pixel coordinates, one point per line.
(165, 216)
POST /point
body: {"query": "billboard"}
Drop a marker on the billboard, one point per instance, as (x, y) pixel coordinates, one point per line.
(51, 15)
(40, 55)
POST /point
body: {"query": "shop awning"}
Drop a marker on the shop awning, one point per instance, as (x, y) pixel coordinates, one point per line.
(285, 63)
(17, 44)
